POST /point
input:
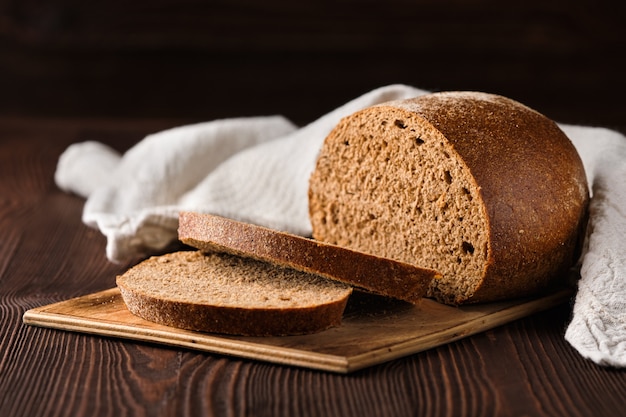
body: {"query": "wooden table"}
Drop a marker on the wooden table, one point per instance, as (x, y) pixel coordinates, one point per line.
(48, 255)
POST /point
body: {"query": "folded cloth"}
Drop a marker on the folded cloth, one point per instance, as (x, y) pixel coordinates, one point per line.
(134, 199)
(257, 170)
(598, 326)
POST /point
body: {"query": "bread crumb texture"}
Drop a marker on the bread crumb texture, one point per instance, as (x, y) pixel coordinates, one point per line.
(384, 276)
(223, 293)
(447, 181)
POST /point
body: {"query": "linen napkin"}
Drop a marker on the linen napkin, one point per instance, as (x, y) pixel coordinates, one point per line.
(257, 169)
(598, 326)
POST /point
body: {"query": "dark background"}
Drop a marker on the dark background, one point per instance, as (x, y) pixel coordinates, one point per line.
(199, 60)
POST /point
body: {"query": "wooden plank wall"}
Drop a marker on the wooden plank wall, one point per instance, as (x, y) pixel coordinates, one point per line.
(200, 60)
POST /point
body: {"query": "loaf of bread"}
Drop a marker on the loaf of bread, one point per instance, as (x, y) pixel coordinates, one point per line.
(374, 274)
(221, 293)
(479, 187)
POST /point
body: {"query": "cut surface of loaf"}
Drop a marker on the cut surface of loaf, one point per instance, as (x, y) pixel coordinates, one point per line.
(381, 276)
(479, 187)
(221, 293)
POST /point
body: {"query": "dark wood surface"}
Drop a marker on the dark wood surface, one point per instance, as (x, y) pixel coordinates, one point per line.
(114, 71)
(48, 255)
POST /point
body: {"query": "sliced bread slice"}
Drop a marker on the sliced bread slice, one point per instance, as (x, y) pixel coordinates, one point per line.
(221, 293)
(382, 276)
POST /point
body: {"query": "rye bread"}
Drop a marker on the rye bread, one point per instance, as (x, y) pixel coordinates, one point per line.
(374, 274)
(477, 186)
(222, 293)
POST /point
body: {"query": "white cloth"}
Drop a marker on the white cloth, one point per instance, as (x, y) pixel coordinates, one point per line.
(598, 326)
(257, 170)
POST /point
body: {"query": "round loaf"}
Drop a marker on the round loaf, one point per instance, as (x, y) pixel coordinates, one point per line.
(221, 293)
(479, 187)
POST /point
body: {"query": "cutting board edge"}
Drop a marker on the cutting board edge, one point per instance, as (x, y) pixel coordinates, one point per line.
(39, 317)
(454, 333)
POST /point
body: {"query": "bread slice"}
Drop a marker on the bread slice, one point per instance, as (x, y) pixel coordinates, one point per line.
(477, 186)
(221, 293)
(372, 273)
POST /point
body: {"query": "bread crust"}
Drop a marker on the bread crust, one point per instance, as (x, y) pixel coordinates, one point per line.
(368, 272)
(233, 321)
(528, 174)
(216, 317)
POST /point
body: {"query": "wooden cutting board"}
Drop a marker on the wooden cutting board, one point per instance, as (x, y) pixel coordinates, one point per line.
(373, 330)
